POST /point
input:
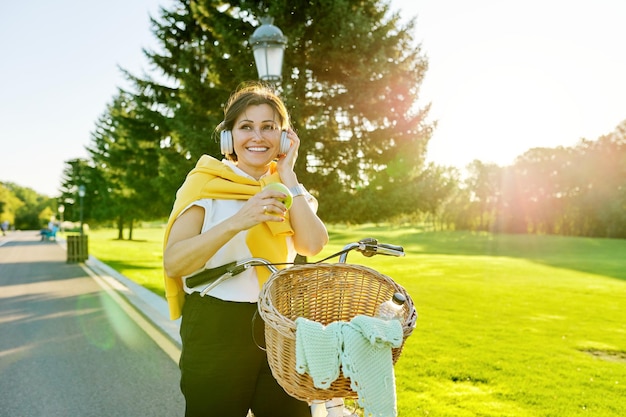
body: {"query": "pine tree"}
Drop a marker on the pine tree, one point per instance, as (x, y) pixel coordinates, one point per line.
(77, 172)
(351, 80)
(125, 156)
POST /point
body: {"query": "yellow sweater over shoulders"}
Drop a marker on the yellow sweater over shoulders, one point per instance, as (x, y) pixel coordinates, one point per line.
(213, 179)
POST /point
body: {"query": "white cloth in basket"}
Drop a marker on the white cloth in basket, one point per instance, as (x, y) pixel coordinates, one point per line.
(362, 347)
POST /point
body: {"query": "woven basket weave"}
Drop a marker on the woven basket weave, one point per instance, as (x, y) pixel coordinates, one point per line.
(324, 293)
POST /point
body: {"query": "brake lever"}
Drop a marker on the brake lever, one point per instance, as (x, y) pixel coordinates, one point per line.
(368, 246)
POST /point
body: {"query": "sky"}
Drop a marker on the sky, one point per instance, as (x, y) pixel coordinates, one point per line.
(504, 76)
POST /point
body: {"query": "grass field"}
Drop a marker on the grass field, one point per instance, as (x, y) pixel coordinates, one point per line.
(509, 325)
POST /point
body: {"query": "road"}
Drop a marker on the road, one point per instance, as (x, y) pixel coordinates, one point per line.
(67, 348)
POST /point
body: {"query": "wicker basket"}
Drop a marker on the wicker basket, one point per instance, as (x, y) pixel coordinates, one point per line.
(324, 293)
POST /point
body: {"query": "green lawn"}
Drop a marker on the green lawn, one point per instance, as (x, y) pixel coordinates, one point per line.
(509, 325)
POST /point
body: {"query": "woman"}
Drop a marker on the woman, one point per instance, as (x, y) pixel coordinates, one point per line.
(221, 215)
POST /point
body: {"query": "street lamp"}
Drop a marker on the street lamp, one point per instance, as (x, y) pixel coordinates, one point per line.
(81, 194)
(268, 44)
(61, 211)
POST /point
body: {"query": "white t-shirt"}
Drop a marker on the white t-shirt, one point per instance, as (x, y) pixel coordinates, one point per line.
(243, 287)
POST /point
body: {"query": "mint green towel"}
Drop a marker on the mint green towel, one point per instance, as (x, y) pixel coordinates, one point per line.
(362, 348)
(318, 349)
(368, 361)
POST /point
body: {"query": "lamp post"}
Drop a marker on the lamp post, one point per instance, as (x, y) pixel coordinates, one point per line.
(268, 45)
(61, 211)
(81, 194)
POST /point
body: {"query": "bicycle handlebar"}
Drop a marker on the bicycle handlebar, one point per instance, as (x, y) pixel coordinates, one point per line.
(214, 276)
(370, 247)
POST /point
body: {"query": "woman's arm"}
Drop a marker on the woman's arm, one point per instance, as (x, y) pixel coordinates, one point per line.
(310, 234)
(188, 248)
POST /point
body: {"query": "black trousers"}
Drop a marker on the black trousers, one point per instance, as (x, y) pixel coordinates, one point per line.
(224, 372)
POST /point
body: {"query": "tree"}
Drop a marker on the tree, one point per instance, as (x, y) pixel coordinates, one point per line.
(77, 172)
(124, 152)
(579, 191)
(9, 204)
(351, 81)
(195, 77)
(605, 191)
(436, 187)
(484, 181)
(22, 206)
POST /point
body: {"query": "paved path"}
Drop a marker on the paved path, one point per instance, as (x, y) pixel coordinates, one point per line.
(70, 342)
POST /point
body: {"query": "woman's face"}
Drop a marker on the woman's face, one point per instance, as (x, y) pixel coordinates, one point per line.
(256, 139)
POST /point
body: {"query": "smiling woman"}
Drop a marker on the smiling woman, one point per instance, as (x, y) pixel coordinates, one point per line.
(224, 212)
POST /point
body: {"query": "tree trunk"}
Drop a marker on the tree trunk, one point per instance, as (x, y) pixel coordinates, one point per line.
(120, 228)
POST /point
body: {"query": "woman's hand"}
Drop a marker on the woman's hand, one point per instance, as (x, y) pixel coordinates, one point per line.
(188, 249)
(287, 161)
(265, 206)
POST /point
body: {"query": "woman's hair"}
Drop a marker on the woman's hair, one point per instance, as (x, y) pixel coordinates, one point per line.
(251, 94)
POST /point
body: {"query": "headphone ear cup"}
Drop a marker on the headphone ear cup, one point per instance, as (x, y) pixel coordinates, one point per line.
(226, 142)
(285, 142)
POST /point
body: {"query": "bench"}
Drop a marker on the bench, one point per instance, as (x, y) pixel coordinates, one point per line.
(47, 234)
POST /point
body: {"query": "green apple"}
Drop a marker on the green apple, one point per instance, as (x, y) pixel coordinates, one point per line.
(281, 188)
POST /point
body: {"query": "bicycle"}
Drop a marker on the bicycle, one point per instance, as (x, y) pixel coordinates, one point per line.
(322, 292)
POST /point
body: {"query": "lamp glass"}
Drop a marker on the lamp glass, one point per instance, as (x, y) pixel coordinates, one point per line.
(269, 61)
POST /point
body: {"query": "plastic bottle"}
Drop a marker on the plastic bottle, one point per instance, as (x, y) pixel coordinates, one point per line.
(392, 309)
(331, 408)
(334, 407)
(318, 409)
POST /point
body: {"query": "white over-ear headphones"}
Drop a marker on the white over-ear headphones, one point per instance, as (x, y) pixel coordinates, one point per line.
(226, 142)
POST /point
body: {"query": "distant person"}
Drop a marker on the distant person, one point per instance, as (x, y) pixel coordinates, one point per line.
(4, 226)
(49, 232)
(222, 215)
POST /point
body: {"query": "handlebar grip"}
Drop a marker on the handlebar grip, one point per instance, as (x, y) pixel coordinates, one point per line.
(392, 247)
(208, 275)
(388, 249)
(368, 248)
